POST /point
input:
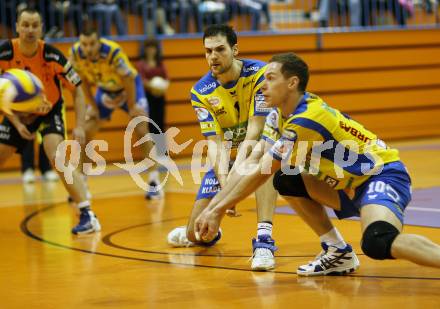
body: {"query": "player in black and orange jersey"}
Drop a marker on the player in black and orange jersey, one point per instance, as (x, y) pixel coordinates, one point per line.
(30, 53)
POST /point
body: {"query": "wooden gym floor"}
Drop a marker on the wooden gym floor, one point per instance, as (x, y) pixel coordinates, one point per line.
(129, 265)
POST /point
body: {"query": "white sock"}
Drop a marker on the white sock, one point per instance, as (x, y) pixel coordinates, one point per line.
(85, 205)
(153, 177)
(264, 228)
(333, 238)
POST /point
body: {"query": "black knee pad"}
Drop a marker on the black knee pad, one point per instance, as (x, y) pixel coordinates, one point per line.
(290, 185)
(377, 240)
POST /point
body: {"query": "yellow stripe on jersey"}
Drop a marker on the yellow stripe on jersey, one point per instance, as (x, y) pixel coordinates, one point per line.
(326, 143)
(226, 109)
(8, 93)
(109, 71)
(25, 81)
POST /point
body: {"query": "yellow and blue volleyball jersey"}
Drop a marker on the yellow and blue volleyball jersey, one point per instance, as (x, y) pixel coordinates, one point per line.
(109, 71)
(326, 143)
(225, 109)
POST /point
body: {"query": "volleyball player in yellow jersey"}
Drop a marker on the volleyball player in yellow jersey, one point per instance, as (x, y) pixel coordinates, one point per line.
(230, 106)
(345, 167)
(110, 82)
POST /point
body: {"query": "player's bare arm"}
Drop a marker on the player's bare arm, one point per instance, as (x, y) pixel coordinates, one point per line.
(130, 89)
(254, 129)
(238, 188)
(20, 126)
(218, 157)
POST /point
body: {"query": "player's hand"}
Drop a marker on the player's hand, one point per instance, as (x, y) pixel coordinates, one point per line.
(79, 135)
(157, 92)
(92, 113)
(24, 132)
(207, 225)
(136, 111)
(44, 108)
(233, 212)
(27, 118)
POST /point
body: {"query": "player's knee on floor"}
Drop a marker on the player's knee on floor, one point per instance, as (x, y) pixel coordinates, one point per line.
(290, 185)
(377, 240)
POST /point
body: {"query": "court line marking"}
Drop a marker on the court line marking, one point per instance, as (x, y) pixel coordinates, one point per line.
(107, 239)
(25, 229)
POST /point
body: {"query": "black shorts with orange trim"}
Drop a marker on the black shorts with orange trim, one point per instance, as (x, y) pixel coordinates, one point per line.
(52, 123)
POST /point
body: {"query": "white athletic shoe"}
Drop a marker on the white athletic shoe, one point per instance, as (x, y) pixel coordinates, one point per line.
(263, 253)
(334, 261)
(263, 259)
(50, 176)
(28, 176)
(177, 238)
(88, 223)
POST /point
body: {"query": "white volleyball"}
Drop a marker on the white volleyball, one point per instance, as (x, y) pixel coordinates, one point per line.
(159, 83)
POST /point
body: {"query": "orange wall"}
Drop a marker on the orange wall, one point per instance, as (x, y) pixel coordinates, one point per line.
(390, 80)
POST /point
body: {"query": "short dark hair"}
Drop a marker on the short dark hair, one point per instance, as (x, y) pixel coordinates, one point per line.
(28, 10)
(293, 65)
(88, 30)
(223, 30)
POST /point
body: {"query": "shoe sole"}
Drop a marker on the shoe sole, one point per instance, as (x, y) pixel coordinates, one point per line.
(263, 267)
(87, 232)
(330, 272)
(95, 229)
(174, 245)
(90, 234)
